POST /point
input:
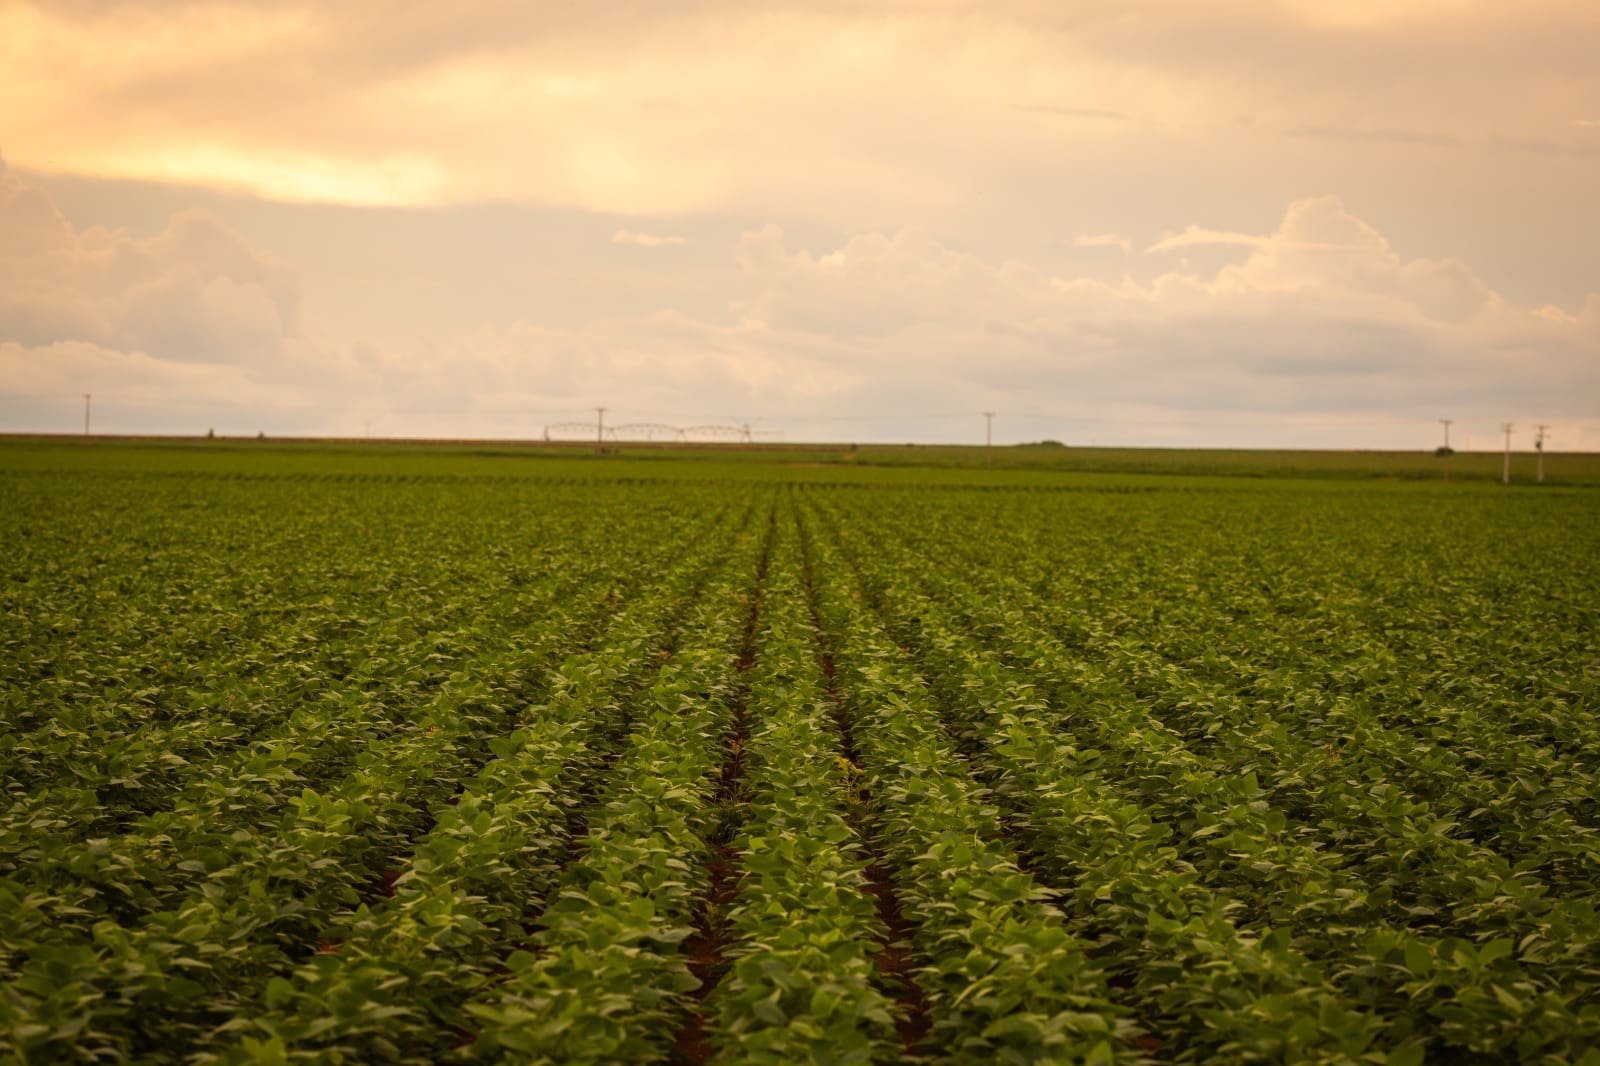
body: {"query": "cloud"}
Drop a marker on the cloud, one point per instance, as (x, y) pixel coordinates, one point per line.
(1103, 240)
(646, 240)
(177, 390)
(1314, 225)
(1195, 237)
(1320, 332)
(194, 292)
(189, 322)
(661, 110)
(875, 283)
(1323, 315)
(1320, 248)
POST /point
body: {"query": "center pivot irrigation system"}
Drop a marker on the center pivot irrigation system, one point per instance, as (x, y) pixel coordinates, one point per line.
(654, 431)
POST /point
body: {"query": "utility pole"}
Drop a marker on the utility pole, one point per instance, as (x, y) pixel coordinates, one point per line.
(1446, 453)
(988, 437)
(1505, 469)
(599, 430)
(86, 414)
(1538, 445)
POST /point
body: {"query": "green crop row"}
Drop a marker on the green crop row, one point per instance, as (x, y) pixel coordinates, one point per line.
(604, 979)
(800, 982)
(1005, 979)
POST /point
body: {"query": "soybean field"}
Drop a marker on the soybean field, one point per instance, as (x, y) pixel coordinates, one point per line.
(349, 757)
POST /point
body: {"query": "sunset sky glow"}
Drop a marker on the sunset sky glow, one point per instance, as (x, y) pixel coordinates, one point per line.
(1258, 223)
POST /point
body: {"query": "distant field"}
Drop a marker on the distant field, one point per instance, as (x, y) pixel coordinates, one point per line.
(475, 753)
(787, 460)
(1560, 468)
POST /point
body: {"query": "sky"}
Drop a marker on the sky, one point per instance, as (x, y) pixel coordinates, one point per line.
(1276, 223)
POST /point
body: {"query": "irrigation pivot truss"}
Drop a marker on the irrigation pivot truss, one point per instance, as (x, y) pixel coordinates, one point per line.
(655, 431)
(644, 431)
(569, 431)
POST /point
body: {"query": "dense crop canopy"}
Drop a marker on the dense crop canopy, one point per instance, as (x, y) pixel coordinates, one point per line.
(421, 766)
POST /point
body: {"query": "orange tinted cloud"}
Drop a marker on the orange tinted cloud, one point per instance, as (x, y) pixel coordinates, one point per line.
(706, 107)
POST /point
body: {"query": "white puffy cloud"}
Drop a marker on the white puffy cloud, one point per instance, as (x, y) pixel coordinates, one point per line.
(1321, 248)
(194, 292)
(1195, 237)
